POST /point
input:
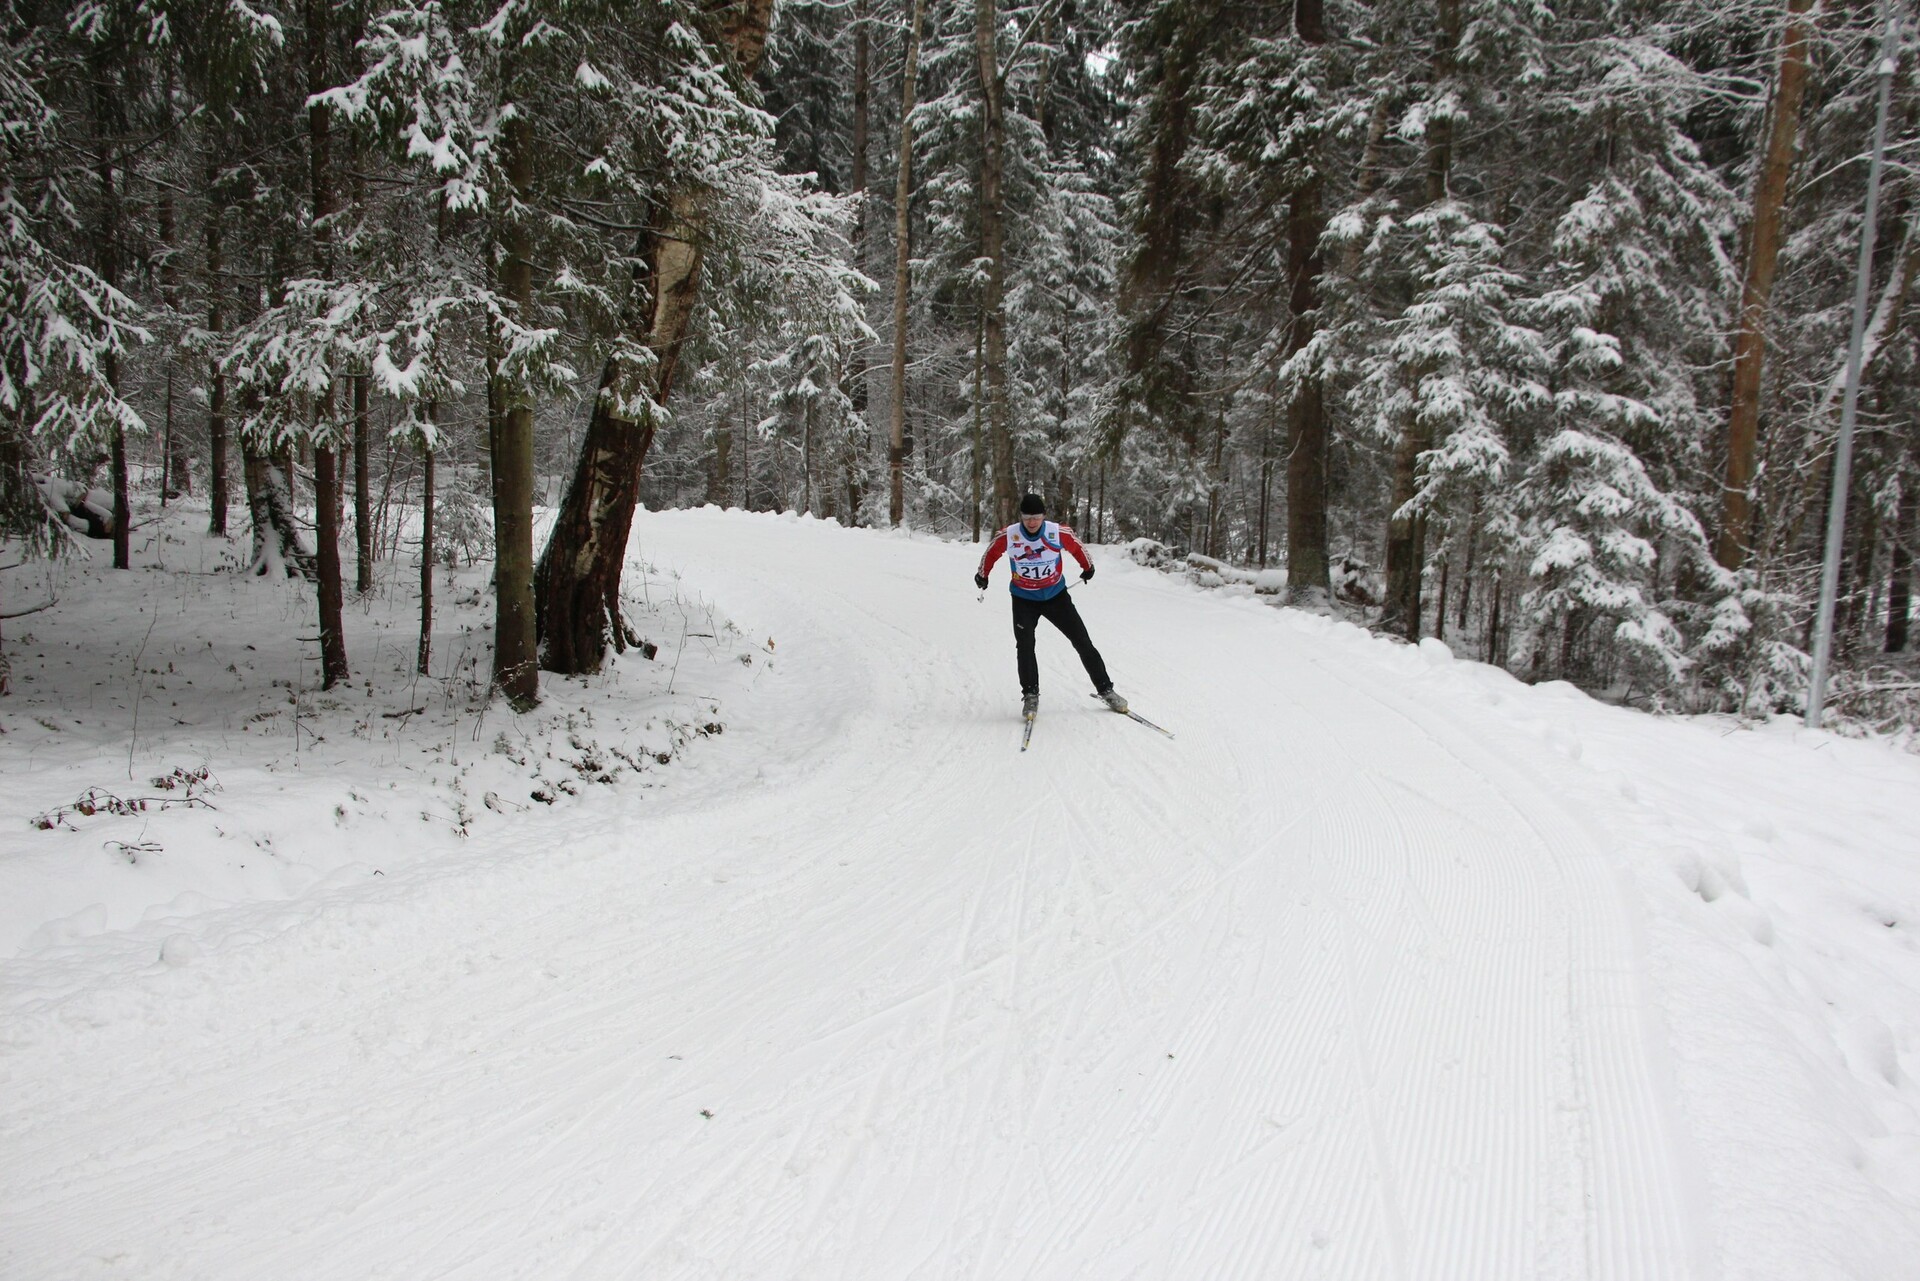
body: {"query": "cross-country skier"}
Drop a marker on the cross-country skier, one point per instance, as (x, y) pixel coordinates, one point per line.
(1033, 547)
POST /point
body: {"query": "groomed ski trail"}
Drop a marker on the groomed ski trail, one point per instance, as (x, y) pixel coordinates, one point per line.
(1330, 987)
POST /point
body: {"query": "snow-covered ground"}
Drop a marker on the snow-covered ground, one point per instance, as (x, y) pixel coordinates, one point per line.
(1387, 966)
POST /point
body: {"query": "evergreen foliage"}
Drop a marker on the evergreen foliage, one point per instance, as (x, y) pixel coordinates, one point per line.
(1481, 260)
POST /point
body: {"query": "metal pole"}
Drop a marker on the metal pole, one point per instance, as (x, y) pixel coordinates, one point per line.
(1843, 448)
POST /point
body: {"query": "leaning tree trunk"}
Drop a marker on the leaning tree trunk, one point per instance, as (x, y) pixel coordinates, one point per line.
(577, 589)
(902, 256)
(993, 236)
(578, 584)
(1756, 289)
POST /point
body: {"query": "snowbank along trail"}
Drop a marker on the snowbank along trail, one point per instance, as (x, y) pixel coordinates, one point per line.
(1330, 987)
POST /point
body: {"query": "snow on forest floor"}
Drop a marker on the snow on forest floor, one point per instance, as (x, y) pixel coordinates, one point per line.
(1388, 966)
(180, 703)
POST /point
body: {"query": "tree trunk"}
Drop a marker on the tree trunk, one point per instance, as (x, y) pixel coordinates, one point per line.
(859, 440)
(326, 480)
(1466, 569)
(1906, 527)
(718, 483)
(578, 583)
(979, 412)
(993, 235)
(862, 77)
(1406, 550)
(107, 130)
(1401, 608)
(424, 657)
(1307, 559)
(1100, 517)
(806, 458)
(122, 481)
(746, 464)
(1217, 486)
(510, 447)
(362, 488)
(175, 478)
(166, 441)
(902, 254)
(326, 501)
(1309, 21)
(1875, 569)
(1763, 251)
(1492, 651)
(1266, 487)
(217, 495)
(577, 595)
(1857, 578)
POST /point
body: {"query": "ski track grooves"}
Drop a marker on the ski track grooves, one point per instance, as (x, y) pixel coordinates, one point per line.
(1329, 987)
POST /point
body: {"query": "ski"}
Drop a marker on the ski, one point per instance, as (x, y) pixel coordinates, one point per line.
(1132, 715)
(1135, 716)
(1026, 735)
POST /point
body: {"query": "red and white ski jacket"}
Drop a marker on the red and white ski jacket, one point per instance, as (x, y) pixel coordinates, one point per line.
(1035, 558)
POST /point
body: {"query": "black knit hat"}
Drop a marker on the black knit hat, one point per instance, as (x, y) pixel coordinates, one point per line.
(1033, 505)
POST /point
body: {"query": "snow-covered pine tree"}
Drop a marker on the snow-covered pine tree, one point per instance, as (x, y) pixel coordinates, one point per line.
(1012, 127)
(1170, 49)
(1610, 501)
(1062, 270)
(63, 327)
(1269, 128)
(521, 125)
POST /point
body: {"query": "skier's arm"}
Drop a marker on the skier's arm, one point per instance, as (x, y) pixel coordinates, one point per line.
(991, 557)
(1071, 545)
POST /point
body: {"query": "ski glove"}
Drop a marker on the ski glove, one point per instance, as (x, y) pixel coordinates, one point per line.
(980, 581)
(1086, 575)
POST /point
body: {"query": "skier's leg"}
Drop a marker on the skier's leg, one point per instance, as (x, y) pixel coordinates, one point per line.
(1061, 613)
(1026, 616)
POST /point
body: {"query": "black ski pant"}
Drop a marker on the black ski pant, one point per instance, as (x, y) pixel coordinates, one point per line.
(1059, 611)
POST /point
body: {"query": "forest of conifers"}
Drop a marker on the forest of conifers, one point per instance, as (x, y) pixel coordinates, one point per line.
(1518, 323)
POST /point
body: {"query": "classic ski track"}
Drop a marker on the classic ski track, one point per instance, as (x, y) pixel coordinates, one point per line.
(1227, 1006)
(1639, 1219)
